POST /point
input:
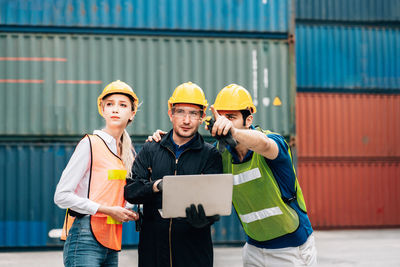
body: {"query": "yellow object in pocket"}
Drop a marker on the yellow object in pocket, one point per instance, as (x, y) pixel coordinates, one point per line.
(117, 174)
(111, 220)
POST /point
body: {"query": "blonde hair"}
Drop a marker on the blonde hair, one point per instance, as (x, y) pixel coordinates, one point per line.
(127, 152)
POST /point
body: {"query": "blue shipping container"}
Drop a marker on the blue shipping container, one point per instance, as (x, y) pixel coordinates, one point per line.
(29, 173)
(347, 58)
(349, 10)
(187, 15)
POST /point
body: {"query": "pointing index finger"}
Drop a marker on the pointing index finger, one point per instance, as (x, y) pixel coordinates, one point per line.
(215, 112)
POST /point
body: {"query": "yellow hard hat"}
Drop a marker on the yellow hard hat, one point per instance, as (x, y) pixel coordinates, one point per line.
(118, 87)
(189, 93)
(234, 97)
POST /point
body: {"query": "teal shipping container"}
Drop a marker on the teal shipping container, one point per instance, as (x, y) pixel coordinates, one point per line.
(29, 173)
(49, 83)
(360, 11)
(352, 59)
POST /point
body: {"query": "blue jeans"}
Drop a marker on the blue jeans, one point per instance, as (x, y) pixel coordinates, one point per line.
(82, 249)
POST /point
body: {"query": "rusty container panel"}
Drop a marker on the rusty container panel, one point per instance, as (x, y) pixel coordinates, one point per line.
(348, 125)
(351, 194)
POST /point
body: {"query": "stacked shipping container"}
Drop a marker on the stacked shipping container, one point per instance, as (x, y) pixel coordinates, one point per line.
(58, 77)
(347, 111)
(254, 17)
(348, 11)
(56, 57)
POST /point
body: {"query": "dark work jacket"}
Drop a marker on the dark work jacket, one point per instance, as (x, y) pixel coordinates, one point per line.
(170, 242)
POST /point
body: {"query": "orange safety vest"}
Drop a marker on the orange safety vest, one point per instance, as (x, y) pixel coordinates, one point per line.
(106, 187)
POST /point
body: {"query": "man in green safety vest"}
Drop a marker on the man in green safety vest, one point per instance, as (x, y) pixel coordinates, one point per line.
(266, 193)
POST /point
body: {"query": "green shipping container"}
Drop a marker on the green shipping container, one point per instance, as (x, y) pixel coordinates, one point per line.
(49, 83)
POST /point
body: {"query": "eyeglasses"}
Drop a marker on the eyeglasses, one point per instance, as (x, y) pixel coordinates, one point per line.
(193, 114)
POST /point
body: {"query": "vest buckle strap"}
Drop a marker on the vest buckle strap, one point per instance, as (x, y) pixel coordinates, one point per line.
(75, 213)
(289, 200)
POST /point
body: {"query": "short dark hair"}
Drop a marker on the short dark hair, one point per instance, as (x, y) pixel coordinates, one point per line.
(245, 114)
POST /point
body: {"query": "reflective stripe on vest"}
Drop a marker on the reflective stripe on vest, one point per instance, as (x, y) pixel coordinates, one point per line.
(258, 201)
(246, 176)
(106, 187)
(259, 215)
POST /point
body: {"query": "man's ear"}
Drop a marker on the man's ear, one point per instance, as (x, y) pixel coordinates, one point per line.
(202, 117)
(249, 121)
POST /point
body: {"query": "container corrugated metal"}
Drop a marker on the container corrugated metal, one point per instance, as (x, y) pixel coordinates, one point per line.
(50, 83)
(206, 15)
(351, 194)
(29, 173)
(348, 10)
(228, 230)
(348, 125)
(347, 58)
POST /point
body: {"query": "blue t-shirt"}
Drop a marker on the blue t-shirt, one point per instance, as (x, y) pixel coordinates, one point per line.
(282, 170)
(179, 149)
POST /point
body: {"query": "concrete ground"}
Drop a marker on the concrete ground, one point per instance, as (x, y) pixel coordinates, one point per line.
(335, 248)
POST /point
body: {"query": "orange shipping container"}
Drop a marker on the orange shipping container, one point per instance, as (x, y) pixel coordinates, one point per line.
(348, 125)
(351, 194)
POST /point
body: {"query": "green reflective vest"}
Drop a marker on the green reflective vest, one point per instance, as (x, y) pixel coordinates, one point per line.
(258, 200)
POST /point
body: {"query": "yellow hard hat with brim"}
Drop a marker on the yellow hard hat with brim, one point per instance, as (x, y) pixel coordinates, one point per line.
(234, 97)
(115, 88)
(189, 93)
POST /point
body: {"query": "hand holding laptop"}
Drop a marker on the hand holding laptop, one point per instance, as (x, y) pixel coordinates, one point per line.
(198, 219)
(211, 192)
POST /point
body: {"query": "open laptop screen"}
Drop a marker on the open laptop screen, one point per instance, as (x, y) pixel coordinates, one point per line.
(213, 191)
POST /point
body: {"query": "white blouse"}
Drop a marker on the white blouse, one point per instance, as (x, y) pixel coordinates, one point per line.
(72, 189)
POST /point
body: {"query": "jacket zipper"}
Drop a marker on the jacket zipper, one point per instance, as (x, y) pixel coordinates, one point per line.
(170, 247)
(170, 220)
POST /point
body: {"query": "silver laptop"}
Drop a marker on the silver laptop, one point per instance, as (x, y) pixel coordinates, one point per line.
(213, 191)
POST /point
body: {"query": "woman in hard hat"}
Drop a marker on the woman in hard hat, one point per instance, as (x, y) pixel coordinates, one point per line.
(91, 187)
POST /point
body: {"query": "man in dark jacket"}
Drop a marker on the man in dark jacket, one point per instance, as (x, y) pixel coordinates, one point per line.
(178, 242)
